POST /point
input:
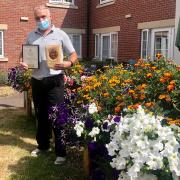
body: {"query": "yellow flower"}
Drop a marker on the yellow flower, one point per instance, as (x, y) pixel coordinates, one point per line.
(162, 96)
(131, 91)
(167, 75)
(106, 94)
(149, 75)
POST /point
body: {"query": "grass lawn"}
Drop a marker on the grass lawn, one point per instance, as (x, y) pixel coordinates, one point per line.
(16, 142)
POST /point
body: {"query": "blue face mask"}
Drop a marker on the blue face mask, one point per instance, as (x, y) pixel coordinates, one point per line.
(44, 24)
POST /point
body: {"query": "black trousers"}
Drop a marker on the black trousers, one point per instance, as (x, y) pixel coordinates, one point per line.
(48, 92)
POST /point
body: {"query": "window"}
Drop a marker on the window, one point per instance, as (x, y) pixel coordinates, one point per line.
(76, 40)
(144, 44)
(105, 1)
(106, 46)
(154, 41)
(97, 46)
(62, 1)
(1, 45)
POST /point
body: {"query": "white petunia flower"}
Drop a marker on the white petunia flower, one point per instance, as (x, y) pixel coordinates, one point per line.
(79, 127)
(140, 140)
(92, 108)
(94, 132)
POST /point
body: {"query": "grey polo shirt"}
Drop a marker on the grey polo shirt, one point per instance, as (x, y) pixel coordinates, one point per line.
(54, 37)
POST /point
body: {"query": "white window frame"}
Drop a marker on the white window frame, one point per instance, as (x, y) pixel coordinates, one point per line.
(71, 37)
(116, 46)
(105, 1)
(100, 37)
(109, 52)
(2, 36)
(97, 53)
(151, 41)
(61, 1)
(147, 43)
(170, 43)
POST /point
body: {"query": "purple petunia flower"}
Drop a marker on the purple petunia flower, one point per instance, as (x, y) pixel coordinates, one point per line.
(89, 123)
(117, 119)
(58, 114)
(105, 125)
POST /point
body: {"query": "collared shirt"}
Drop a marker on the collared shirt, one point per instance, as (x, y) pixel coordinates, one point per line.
(55, 37)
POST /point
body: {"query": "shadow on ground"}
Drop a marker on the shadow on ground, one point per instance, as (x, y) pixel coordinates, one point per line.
(18, 131)
(42, 167)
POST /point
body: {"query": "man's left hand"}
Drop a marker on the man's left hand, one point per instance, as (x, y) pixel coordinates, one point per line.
(62, 66)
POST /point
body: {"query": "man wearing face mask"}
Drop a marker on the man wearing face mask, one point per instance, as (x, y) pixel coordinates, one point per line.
(48, 84)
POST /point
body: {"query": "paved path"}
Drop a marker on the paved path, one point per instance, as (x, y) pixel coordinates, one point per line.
(12, 101)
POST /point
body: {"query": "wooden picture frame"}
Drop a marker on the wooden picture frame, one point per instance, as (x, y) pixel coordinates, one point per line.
(54, 55)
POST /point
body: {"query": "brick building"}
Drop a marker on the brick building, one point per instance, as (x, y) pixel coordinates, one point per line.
(99, 29)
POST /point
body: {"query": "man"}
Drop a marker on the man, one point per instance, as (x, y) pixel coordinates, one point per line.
(47, 83)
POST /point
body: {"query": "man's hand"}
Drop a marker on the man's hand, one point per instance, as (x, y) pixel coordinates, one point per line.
(24, 65)
(67, 64)
(63, 66)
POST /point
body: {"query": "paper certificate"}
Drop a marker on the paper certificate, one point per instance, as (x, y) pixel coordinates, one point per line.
(54, 55)
(30, 55)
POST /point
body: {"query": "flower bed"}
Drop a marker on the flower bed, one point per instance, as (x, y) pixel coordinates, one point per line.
(133, 106)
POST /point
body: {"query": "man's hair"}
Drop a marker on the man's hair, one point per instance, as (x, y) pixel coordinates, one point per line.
(41, 7)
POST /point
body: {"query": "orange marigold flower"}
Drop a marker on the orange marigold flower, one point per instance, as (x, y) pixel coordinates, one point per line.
(178, 67)
(149, 104)
(131, 91)
(168, 98)
(147, 65)
(128, 81)
(154, 68)
(136, 65)
(142, 96)
(162, 96)
(118, 98)
(135, 106)
(106, 94)
(172, 82)
(162, 80)
(144, 86)
(149, 75)
(158, 55)
(174, 121)
(167, 75)
(117, 109)
(170, 87)
(130, 107)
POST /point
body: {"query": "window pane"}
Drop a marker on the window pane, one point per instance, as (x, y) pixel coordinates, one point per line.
(114, 45)
(55, 1)
(77, 44)
(144, 44)
(97, 46)
(69, 1)
(105, 1)
(1, 44)
(105, 46)
(161, 43)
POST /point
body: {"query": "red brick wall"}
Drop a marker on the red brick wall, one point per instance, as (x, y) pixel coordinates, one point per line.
(129, 35)
(113, 15)
(14, 36)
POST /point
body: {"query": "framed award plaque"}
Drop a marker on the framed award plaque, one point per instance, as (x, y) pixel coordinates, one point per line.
(54, 55)
(30, 55)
